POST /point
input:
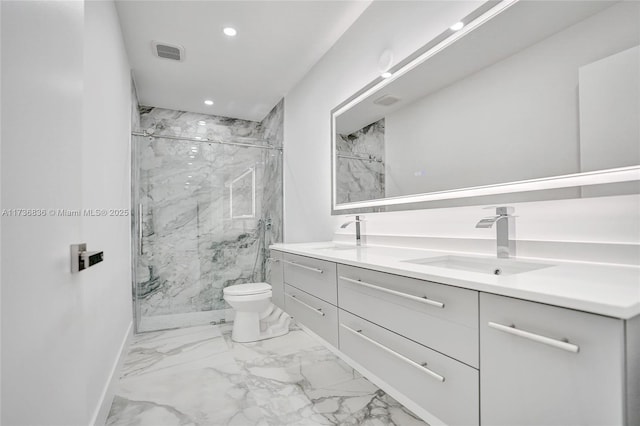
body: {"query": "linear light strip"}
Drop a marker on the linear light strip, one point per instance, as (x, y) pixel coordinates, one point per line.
(621, 174)
(502, 6)
(470, 26)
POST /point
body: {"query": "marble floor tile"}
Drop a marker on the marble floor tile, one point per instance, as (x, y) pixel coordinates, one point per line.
(388, 411)
(207, 396)
(167, 351)
(290, 343)
(198, 376)
(311, 368)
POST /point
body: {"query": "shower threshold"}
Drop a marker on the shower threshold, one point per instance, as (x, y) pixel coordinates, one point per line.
(166, 322)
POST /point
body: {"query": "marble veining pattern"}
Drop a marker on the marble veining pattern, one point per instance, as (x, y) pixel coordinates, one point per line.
(161, 121)
(199, 376)
(192, 246)
(359, 180)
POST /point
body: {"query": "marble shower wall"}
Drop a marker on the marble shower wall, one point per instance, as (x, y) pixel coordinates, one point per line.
(359, 180)
(135, 108)
(135, 190)
(192, 246)
(272, 127)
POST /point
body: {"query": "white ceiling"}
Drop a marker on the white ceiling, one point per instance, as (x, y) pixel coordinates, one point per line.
(277, 44)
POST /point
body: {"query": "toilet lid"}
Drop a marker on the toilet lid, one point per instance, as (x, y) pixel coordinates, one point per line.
(247, 289)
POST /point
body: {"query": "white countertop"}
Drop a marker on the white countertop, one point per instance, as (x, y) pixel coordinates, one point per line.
(610, 290)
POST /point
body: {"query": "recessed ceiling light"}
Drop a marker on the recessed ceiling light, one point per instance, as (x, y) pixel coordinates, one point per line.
(230, 31)
(198, 138)
(386, 74)
(202, 123)
(208, 102)
(457, 26)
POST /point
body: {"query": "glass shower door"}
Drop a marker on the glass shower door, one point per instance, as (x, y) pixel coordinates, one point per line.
(203, 227)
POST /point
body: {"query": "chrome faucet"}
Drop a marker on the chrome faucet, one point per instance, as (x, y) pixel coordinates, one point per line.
(357, 221)
(505, 230)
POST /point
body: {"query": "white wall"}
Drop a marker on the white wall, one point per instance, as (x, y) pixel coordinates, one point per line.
(106, 172)
(42, 329)
(61, 332)
(352, 63)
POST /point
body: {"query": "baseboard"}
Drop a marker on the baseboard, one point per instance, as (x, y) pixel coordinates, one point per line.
(390, 390)
(101, 413)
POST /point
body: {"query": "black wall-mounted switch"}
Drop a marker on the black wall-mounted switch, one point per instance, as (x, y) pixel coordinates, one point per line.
(82, 259)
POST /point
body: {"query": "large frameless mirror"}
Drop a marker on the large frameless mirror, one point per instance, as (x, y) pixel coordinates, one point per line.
(527, 100)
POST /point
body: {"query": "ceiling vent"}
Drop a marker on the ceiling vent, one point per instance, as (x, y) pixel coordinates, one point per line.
(386, 100)
(168, 51)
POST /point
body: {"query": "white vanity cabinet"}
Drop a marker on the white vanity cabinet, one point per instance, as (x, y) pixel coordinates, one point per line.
(315, 276)
(276, 278)
(545, 365)
(460, 355)
(419, 337)
(440, 385)
(311, 295)
(314, 313)
(441, 317)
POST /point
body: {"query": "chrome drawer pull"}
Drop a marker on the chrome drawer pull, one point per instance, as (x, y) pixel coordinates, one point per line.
(511, 329)
(395, 293)
(422, 368)
(315, 310)
(320, 271)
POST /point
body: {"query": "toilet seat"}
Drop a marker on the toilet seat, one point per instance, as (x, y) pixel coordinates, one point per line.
(247, 289)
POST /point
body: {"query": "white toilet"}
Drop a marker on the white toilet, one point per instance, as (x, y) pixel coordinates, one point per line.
(256, 317)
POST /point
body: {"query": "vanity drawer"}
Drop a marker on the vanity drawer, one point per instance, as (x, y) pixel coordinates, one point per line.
(315, 276)
(443, 386)
(316, 314)
(442, 317)
(570, 363)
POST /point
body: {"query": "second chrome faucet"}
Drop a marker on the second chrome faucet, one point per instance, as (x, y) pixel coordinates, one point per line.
(357, 221)
(505, 230)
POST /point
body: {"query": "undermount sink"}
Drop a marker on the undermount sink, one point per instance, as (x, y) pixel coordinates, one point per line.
(338, 247)
(477, 264)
